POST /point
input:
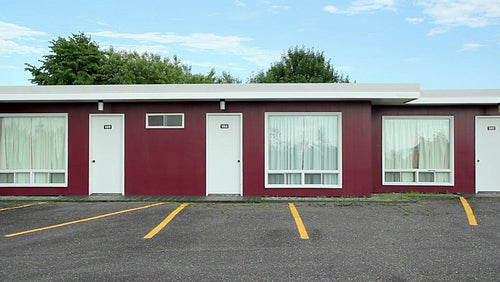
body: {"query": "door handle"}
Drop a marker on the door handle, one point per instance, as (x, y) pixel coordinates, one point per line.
(93, 161)
(239, 161)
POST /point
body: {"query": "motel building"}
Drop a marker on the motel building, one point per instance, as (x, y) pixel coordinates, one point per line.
(248, 139)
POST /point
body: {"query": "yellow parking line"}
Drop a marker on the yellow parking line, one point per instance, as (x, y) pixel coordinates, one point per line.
(81, 220)
(164, 223)
(23, 206)
(298, 221)
(468, 211)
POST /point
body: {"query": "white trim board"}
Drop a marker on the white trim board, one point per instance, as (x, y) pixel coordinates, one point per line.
(377, 93)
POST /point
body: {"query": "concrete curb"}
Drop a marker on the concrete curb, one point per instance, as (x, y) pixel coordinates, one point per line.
(375, 198)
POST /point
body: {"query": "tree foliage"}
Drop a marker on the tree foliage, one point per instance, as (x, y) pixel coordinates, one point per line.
(76, 60)
(124, 67)
(300, 65)
(79, 60)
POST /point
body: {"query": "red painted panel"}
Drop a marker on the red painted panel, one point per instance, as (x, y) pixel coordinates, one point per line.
(165, 161)
(464, 118)
(172, 161)
(78, 147)
(356, 140)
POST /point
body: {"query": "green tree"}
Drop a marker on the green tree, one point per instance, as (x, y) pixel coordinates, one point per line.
(76, 60)
(79, 60)
(300, 65)
(126, 67)
(227, 78)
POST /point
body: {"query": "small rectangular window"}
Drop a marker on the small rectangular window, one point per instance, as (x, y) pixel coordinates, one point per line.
(164, 120)
(6, 177)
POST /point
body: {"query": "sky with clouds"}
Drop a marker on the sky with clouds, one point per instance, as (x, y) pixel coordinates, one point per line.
(441, 44)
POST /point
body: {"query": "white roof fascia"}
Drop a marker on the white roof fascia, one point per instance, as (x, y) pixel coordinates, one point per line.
(376, 93)
(458, 97)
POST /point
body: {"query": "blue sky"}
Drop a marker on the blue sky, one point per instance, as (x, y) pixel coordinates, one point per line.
(441, 44)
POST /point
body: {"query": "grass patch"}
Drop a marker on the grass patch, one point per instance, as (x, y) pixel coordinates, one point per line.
(412, 196)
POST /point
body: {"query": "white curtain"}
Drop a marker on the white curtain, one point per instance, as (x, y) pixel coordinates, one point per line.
(48, 146)
(302, 143)
(285, 142)
(320, 138)
(15, 143)
(417, 144)
(28, 143)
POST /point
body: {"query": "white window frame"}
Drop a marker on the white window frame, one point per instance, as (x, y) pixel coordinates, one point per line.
(33, 171)
(416, 172)
(164, 114)
(267, 171)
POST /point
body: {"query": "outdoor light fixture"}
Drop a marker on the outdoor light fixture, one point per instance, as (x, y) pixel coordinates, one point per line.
(100, 106)
(222, 104)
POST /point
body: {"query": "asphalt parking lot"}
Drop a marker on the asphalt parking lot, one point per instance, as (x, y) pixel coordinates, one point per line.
(428, 240)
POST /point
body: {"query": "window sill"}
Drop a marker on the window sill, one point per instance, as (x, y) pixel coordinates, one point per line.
(417, 184)
(302, 187)
(50, 185)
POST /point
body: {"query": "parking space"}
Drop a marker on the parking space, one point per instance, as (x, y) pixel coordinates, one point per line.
(427, 240)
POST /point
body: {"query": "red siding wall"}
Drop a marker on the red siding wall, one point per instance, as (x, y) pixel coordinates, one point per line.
(356, 146)
(78, 140)
(172, 161)
(464, 118)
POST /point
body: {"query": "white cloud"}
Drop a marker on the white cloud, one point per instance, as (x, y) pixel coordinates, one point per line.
(448, 14)
(227, 66)
(277, 4)
(11, 47)
(363, 7)
(230, 45)
(331, 9)
(10, 33)
(471, 46)
(155, 49)
(195, 40)
(239, 3)
(277, 8)
(9, 67)
(415, 20)
(212, 41)
(102, 23)
(13, 31)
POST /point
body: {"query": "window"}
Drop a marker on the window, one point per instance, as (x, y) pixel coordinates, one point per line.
(164, 120)
(303, 150)
(417, 150)
(33, 150)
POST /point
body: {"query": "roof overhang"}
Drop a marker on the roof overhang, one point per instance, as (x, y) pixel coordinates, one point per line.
(458, 97)
(376, 93)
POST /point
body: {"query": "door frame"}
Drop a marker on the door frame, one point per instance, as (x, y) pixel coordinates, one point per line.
(207, 153)
(122, 152)
(476, 118)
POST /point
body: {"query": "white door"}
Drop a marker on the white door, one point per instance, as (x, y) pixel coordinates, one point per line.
(224, 163)
(488, 154)
(106, 154)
